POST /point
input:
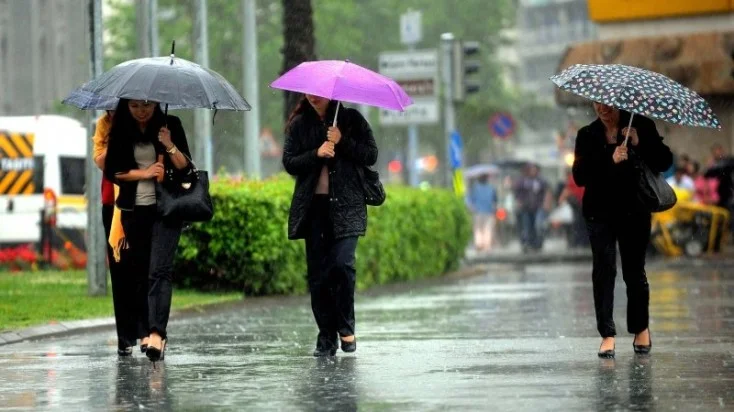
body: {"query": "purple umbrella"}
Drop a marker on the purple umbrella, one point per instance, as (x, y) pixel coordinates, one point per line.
(344, 81)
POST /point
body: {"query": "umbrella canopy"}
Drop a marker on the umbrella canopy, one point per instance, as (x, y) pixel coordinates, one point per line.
(344, 81)
(638, 91)
(85, 100)
(169, 80)
(481, 169)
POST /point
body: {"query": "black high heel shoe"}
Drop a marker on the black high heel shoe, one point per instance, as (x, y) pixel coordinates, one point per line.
(155, 354)
(642, 349)
(126, 351)
(607, 354)
(349, 346)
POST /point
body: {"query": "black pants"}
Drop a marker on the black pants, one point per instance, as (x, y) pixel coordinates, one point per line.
(633, 234)
(123, 290)
(331, 275)
(153, 244)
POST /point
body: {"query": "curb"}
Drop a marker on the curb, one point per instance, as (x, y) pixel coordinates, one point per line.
(530, 259)
(67, 328)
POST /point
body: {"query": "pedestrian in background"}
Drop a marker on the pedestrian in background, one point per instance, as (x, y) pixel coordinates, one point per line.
(532, 198)
(615, 215)
(483, 205)
(144, 145)
(328, 209)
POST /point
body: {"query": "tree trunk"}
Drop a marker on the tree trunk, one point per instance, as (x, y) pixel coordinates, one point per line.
(299, 42)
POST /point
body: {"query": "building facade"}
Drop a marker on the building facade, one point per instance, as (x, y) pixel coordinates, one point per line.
(545, 29)
(44, 53)
(690, 42)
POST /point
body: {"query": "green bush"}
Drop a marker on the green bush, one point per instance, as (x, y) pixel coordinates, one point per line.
(414, 234)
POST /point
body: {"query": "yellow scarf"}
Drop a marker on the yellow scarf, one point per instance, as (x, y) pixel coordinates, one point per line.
(117, 235)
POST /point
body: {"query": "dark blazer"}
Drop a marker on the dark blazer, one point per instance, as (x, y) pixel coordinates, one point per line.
(611, 188)
(121, 158)
(357, 148)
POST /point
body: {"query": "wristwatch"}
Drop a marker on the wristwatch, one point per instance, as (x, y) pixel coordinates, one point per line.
(172, 150)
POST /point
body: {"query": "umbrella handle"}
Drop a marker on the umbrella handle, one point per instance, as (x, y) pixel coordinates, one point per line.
(160, 160)
(338, 103)
(629, 126)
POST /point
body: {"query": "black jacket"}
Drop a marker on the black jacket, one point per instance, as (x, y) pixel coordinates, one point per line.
(611, 188)
(121, 159)
(357, 148)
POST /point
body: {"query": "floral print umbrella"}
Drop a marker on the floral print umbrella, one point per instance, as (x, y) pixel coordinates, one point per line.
(638, 91)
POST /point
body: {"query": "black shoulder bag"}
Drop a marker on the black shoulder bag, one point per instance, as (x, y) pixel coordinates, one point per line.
(185, 198)
(374, 192)
(653, 191)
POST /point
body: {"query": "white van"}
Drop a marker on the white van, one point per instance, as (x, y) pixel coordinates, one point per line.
(41, 156)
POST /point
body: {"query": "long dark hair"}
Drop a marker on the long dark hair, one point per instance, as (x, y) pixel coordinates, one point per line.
(125, 127)
(304, 107)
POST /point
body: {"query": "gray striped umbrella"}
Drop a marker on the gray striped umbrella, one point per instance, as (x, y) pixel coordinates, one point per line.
(173, 81)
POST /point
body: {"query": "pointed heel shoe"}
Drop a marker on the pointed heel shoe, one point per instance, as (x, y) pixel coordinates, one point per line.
(349, 347)
(642, 349)
(607, 354)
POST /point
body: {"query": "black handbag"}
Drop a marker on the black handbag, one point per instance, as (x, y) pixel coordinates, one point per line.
(374, 192)
(653, 191)
(185, 198)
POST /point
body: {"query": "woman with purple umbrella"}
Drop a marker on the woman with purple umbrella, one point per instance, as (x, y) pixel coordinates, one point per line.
(329, 151)
(328, 209)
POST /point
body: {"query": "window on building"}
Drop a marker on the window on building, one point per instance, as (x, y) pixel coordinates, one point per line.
(72, 175)
(39, 171)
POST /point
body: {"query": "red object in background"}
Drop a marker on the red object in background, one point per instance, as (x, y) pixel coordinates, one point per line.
(501, 214)
(108, 192)
(576, 190)
(395, 166)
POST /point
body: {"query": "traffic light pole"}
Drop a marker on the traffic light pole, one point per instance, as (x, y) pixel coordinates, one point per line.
(412, 149)
(449, 111)
(96, 242)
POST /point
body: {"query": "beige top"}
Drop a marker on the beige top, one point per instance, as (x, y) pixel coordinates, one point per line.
(322, 187)
(145, 156)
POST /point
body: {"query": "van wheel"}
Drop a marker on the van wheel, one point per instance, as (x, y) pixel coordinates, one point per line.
(693, 248)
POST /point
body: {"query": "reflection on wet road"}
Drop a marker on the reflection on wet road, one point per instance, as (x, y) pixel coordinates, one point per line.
(513, 339)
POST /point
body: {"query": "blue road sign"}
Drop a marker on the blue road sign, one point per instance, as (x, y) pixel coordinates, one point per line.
(501, 125)
(456, 147)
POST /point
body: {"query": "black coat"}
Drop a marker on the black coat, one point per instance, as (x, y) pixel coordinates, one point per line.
(121, 158)
(611, 188)
(357, 148)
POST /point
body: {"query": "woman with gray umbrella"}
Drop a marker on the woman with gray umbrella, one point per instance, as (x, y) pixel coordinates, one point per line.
(145, 145)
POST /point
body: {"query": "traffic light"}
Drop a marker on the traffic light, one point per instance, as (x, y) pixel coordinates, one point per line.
(463, 68)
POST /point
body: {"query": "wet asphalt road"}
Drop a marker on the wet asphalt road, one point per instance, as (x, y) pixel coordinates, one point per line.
(513, 339)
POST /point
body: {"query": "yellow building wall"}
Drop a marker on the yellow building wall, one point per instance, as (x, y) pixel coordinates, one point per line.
(602, 11)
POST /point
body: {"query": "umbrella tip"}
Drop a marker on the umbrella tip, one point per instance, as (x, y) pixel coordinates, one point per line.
(347, 60)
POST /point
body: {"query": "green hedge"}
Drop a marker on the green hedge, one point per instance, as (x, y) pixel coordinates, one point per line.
(415, 234)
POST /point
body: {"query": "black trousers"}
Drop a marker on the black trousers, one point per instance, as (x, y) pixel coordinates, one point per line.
(153, 243)
(123, 290)
(331, 275)
(633, 234)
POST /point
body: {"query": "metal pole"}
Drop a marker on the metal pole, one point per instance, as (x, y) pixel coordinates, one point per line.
(202, 117)
(142, 8)
(447, 46)
(412, 148)
(96, 244)
(153, 24)
(249, 62)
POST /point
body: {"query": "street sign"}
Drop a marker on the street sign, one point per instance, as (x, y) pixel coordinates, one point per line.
(501, 125)
(411, 32)
(456, 148)
(417, 73)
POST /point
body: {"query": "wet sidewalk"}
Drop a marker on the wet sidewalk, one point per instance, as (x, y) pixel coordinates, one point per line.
(514, 339)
